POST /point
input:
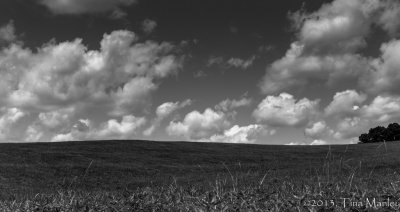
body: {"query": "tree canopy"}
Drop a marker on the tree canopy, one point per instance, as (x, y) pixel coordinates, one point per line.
(381, 134)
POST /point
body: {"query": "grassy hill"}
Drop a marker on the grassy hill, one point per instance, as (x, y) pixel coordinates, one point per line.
(115, 167)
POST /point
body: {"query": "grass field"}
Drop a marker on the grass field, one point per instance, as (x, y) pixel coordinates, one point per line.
(182, 176)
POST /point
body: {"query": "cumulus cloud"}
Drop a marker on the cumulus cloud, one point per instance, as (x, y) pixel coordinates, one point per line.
(9, 116)
(296, 143)
(237, 134)
(327, 45)
(229, 104)
(121, 73)
(198, 125)
(163, 111)
(149, 26)
(318, 130)
(384, 77)
(60, 82)
(340, 26)
(315, 142)
(319, 142)
(285, 110)
(344, 103)
(296, 70)
(382, 109)
(85, 6)
(389, 19)
(127, 128)
(348, 121)
(7, 33)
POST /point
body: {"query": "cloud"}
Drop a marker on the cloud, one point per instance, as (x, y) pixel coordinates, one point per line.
(121, 73)
(237, 134)
(384, 76)
(215, 61)
(59, 83)
(318, 130)
(318, 142)
(345, 103)
(198, 125)
(163, 111)
(149, 26)
(56, 120)
(389, 19)
(241, 63)
(34, 134)
(296, 70)
(349, 121)
(229, 104)
(327, 44)
(9, 116)
(284, 110)
(124, 130)
(232, 62)
(340, 26)
(127, 128)
(75, 7)
(315, 142)
(382, 109)
(7, 33)
(296, 143)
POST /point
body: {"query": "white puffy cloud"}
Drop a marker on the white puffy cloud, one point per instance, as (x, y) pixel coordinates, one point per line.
(7, 33)
(237, 134)
(296, 143)
(229, 104)
(296, 69)
(348, 122)
(198, 125)
(342, 25)
(385, 75)
(344, 103)
(315, 142)
(127, 128)
(9, 116)
(149, 26)
(338, 26)
(33, 134)
(61, 82)
(121, 73)
(327, 45)
(350, 127)
(318, 130)
(56, 119)
(284, 110)
(163, 111)
(122, 130)
(85, 6)
(382, 109)
(167, 108)
(133, 94)
(319, 142)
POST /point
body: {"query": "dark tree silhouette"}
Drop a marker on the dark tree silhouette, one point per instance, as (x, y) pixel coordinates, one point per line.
(393, 133)
(381, 134)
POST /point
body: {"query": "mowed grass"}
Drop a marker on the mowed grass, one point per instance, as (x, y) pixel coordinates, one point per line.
(182, 176)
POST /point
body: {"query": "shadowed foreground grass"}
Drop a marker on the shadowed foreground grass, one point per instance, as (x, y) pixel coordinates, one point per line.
(151, 176)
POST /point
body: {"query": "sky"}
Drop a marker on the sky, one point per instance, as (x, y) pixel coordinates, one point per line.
(292, 72)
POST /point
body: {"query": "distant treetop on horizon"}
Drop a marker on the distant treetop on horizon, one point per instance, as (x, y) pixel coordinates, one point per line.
(381, 134)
